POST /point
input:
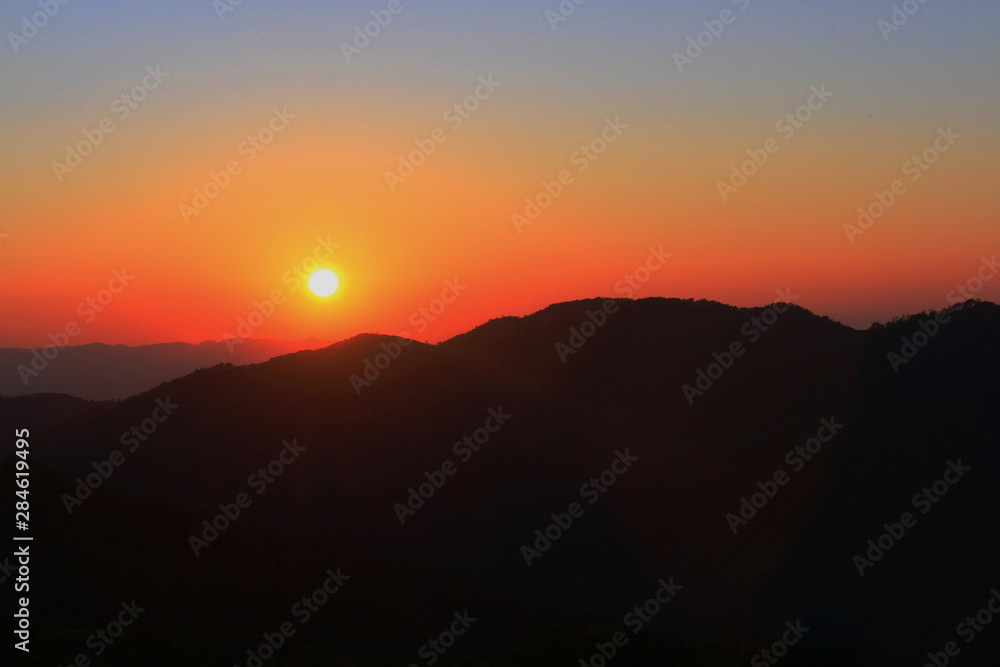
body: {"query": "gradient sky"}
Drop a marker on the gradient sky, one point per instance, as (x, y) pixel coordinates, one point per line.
(324, 174)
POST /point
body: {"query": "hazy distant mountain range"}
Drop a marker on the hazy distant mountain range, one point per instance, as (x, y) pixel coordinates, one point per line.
(549, 476)
(103, 372)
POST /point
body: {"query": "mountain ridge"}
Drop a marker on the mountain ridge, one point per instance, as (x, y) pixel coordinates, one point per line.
(621, 391)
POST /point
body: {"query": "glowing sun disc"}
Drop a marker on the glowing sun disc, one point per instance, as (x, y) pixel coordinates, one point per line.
(323, 282)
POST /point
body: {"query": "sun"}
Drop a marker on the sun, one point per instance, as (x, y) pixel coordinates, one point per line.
(323, 282)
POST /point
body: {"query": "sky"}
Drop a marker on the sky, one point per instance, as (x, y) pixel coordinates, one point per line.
(321, 148)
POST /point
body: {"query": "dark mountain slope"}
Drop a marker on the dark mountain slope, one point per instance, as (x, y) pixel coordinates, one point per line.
(622, 390)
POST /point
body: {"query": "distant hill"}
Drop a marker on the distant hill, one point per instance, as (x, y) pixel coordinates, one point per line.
(104, 372)
(43, 411)
(706, 423)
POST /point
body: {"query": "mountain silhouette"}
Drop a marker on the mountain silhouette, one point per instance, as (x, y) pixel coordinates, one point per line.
(693, 406)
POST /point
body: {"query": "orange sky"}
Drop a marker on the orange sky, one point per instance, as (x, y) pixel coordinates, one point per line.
(323, 176)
